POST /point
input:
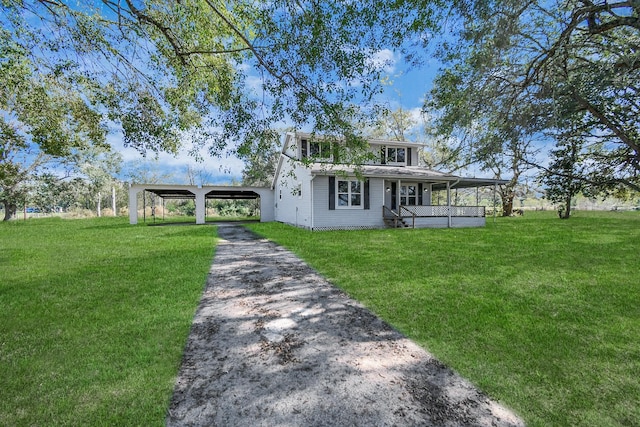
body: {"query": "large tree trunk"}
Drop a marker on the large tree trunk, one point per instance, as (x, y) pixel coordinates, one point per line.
(9, 210)
(567, 208)
(507, 204)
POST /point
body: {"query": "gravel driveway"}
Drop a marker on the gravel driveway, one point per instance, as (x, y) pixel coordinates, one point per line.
(275, 344)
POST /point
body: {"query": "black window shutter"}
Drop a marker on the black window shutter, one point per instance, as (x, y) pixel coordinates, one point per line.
(303, 146)
(420, 194)
(394, 197)
(332, 193)
(383, 155)
(409, 156)
(366, 194)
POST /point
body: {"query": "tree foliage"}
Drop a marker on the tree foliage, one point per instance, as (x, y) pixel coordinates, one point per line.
(233, 69)
(261, 161)
(44, 118)
(397, 125)
(563, 176)
(515, 70)
(188, 74)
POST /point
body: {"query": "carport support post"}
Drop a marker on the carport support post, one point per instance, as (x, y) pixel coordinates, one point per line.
(133, 205)
(200, 205)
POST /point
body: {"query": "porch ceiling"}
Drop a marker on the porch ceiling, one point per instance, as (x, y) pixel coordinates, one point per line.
(438, 179)
(469, 183)
(230, 193)
(173, 193)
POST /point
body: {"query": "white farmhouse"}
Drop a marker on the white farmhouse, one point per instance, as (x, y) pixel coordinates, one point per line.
(315, 192)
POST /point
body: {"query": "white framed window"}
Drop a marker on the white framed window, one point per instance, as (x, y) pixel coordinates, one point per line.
(409, 194)
(394, 155)
(349, 194)
(319, 150)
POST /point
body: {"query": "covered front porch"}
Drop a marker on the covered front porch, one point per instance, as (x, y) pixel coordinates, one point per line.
(409, 203)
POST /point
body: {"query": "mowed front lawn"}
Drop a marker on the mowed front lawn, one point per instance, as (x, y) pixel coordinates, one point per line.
(94, 316)
(541, 313)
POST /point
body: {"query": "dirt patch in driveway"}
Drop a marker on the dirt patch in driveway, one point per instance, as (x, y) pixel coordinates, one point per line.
(275, 344)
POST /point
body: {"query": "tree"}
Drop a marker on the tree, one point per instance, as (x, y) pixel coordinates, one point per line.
(563, 178)
(43, 119)
(261, 160)
(396, 125)
(52, 193)
(538, 60)
(441, 152)
(98, 169)
(161, 68)
(197, 175)
(477, 112)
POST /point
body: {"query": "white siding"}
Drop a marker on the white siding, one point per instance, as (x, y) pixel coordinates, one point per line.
(324, 218)
(290, 206)
(291, 148)
(415, 156)
(468, 222)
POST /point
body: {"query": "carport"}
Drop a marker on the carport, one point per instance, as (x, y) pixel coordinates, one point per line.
(200, 194)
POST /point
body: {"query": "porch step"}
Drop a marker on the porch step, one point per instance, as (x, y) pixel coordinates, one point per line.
(391, 223)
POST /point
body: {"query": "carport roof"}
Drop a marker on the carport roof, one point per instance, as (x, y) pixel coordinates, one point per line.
(167, 191)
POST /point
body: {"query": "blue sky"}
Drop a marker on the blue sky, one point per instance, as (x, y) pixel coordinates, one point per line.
(407, 89)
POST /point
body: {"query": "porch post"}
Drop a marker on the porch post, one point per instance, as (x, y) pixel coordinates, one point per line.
(398, 200)
(448, 204)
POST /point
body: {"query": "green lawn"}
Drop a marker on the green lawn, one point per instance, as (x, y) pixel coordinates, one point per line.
(542, 314)
(94, 316)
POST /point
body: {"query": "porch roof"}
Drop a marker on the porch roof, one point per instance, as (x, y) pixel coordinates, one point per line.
(413, 173)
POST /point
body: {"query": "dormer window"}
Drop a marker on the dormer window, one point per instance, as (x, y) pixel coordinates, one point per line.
(318, 150)
(394, 155)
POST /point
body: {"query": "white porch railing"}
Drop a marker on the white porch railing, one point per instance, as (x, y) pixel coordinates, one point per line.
(442, 211)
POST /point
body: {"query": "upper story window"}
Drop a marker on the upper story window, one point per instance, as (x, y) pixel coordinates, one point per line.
(317, 149)
(393, 155)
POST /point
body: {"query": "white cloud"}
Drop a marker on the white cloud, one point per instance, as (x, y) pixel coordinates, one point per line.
(216, 170)
(385, 60)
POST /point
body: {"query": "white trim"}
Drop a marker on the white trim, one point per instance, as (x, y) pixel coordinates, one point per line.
(395, 148)
(415, 196)
(325, 151)
(349, 194)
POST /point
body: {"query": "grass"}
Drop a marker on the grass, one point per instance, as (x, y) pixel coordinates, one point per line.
(542, 314)
(94, 318)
